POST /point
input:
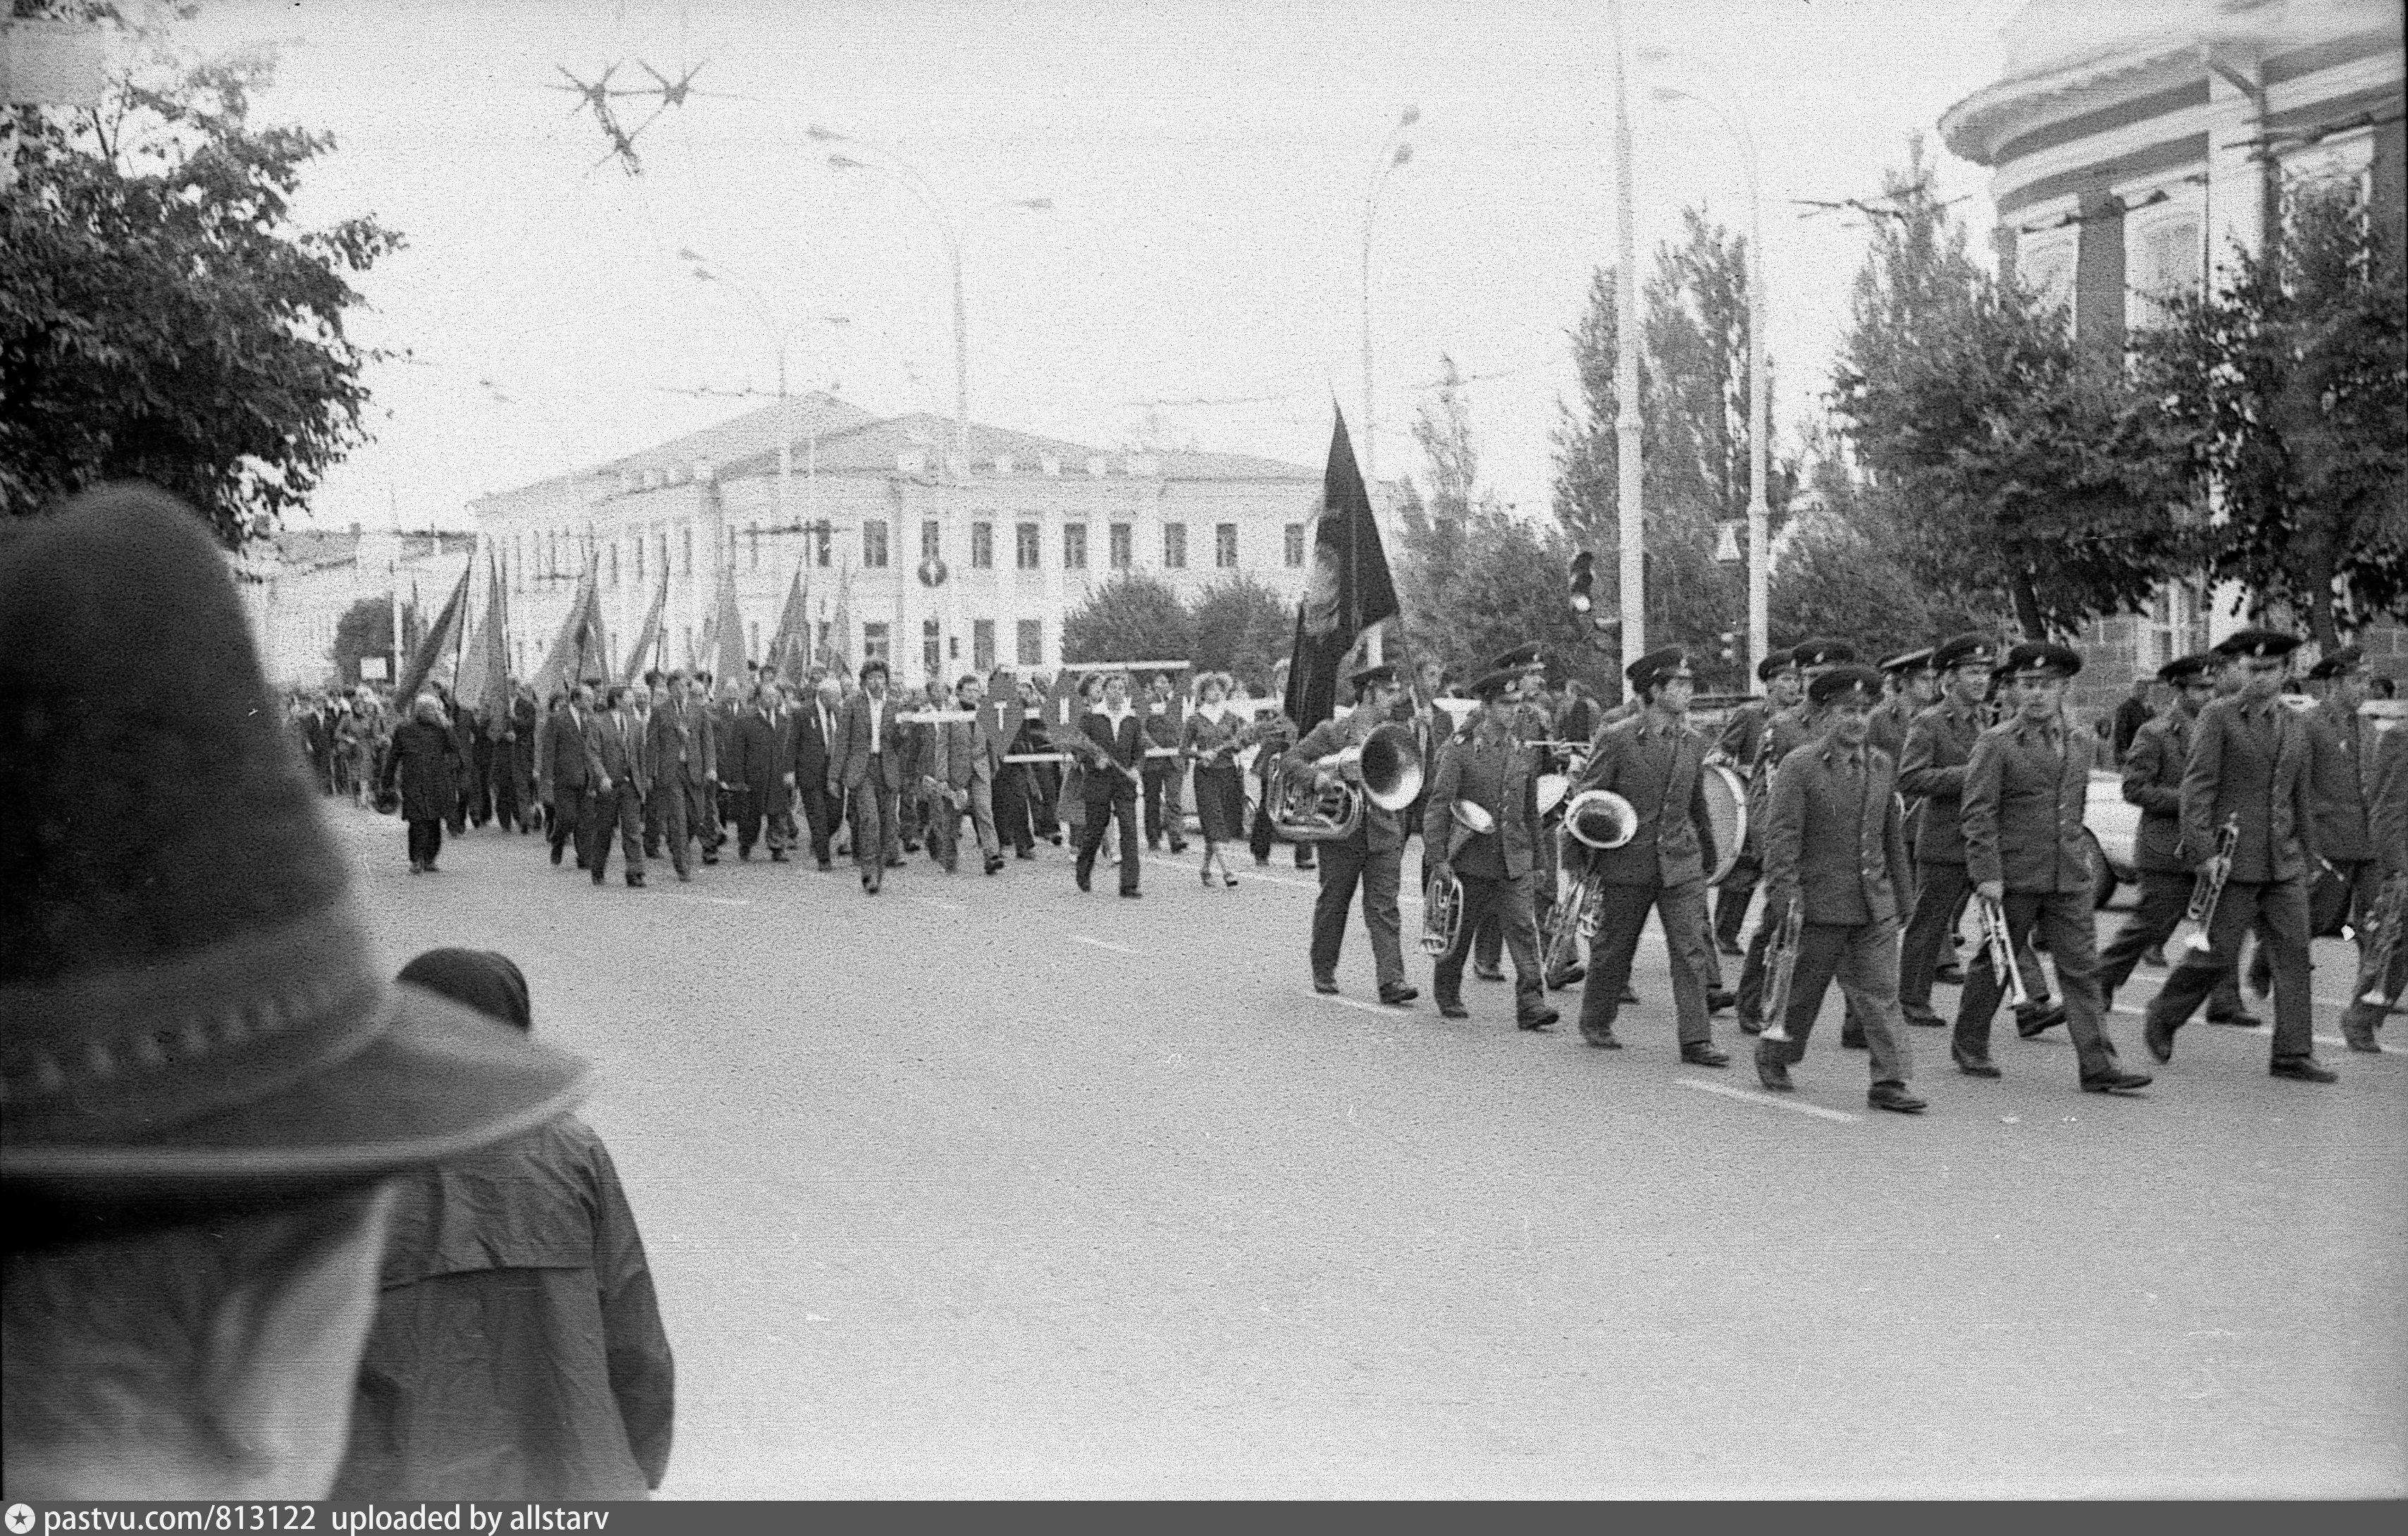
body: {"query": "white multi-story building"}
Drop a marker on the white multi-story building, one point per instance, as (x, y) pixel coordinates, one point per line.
(955, 549)
(298, 585)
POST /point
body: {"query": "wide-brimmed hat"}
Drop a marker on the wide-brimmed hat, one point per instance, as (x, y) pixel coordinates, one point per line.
(190, 1003)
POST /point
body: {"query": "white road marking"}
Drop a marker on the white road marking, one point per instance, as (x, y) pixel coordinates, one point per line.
(1349, 1002)
(718, 900)
(1104, 944)
(1745, 1097)
(939, 902)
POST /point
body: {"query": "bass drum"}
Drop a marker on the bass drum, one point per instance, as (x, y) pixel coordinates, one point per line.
(1727, 809)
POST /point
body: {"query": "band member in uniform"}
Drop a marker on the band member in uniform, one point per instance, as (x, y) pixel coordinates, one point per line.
(870, 769)
(1835, 843)
(1488, 765)
(1784, 734)
(2340, 776)
(1913, 689)
(1373, 856)
(1742, 739)
(1109, 781)
(1279, 735)
(2387, 821)
(2024, 795)
(1530, 722)
(2249, 764)
(1653, 760)
(1165, 721)
(2153, 774)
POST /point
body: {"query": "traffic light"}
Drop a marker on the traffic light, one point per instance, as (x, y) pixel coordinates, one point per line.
(1583, 583)
(1729, 643)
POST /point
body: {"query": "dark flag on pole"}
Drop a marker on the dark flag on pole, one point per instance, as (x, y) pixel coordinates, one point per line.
(1347, 591)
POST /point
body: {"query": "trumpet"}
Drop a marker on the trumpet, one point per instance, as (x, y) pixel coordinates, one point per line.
(2209, 889)
(1441, 914)
(1999, 946)
(2379, 939)
(1784, 966)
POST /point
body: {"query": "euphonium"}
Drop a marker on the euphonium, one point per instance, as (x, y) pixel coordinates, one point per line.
(1441, 914)
(1599, 818)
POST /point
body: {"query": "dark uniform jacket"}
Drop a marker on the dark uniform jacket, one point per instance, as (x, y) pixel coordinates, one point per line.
(1932, 771)
(1888, 724)
(852, 770)
(2339, 775)
(683, 747)
(1496, 770)
(1743, 735)
(426, 760)
(517, 1351)
(1654, 764)
(1382, 831)
(2252, 763)
(615, 747)
(2153, 774)
(2388, 808)
(2023, 804)
(1835, 838)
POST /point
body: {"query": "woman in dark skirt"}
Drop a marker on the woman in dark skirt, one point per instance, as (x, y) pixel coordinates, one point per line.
(426, 760)
(1214, 734)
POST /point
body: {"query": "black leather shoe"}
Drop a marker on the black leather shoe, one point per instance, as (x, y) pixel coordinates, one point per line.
(895, 863)
(2156, 1036)
(1924, 1018)
(1852, 1039)
(1894, 1097)
(1547, 1018)
(597, 877)
(1327, 987)
(1394, 992)
(1600, 1039)
(2242, 1020)
(1949, 973)
(993, 863)
(1131, 895)
(1750, 1026)
(1449, 1008)
(2117, 1083)
(1704, 1054)
(824, 866)
(910, 845)
(2302, 1069)
(1489, 973)
(1630, 998)
(636, 882)
(2039, 1019)
(1773, 1066)
(1720, 1000)
(1023, 853)
(1971, 1065)
(1084, 883)
(1569, 976)
(877, 881)
(555, 853)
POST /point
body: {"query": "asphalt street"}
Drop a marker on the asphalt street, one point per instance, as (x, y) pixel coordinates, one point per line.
(985, 1186)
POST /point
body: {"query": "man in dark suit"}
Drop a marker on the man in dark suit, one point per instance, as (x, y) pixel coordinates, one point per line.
(684, 761)
(1834, 842)
(617, 780)
(817, 725)
(870, 768)
(1488, 765)
(762, 768)
(1373, 855)
(2025, 792)
(565, 763)
(1654, 760)
(2249, 764)
(1742, 742)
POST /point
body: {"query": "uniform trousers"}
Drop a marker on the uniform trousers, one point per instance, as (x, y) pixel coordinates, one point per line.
(664, 821)
(1487, 941)
(1731, 898)
(2066, 926)
(1509, 902)
(2278, 909)
(1942, 893)
(426, 840)
(1864, 957)
(2165, 895)
(1102, 808)
(620, 808)
(1164, 807)
(2360, 1018)
(877, 838)
(1345, 864)
(1752, 975)
(1621, 914)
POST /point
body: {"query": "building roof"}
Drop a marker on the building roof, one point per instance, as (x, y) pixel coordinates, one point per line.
(875, 445)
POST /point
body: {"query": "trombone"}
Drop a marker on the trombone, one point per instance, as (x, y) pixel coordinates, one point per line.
(1999, 944)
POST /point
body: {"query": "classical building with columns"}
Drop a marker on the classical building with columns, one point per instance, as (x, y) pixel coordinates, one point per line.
(954, 546)
(2135, 149)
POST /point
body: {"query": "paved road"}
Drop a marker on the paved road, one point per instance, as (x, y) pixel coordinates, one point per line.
(986, 1187)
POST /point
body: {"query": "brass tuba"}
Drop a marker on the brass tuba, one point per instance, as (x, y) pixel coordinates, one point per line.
(1599, 818)
(1321, 801)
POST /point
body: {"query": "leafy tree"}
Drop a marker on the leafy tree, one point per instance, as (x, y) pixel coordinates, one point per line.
(1132, 617)
(2036, 472)
(366, 629)
(1242, 627)
(2291, 379)
(163, 317)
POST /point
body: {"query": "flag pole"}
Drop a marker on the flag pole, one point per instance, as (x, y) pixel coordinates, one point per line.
(1627, 435)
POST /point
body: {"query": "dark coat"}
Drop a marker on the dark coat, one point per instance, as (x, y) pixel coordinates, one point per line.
(2024, 806)
(615, 746)
(1126, 745)
(425, 760)
(756, 763)
(1932, 771)
(1382, 831)
(2152, 775)
(814, 750)
(1655, 767)
(517, 1351)
(564, 753)
(1743, 735)
(2339, 775)
(1839, 848)
(1887, 725)
(1499, 773)
(2254, 766)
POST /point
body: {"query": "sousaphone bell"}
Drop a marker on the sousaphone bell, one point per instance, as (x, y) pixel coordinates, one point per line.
(1599, 818)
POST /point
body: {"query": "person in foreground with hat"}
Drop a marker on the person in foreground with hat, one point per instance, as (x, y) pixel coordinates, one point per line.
(2153, 774)
(1741, 741)
(2026, 852)
(208, 1082)
(1836, 845)
(1654, 760)
(2249, 765)
(425, 760)
(1373, 855)
(517, 1351)
(1487, 766)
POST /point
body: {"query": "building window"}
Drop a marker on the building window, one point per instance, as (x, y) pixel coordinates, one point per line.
(1074, 545)
(932, 646)
(639, 556)
(873, 643)
(663, 550)
(752, 538)
(1120, 546)
(932, 541)
(2161, 261)
(1027, 554)
(1292, 546)
(873, 544)
(1032, 642)
(982, 646)
(2046, 267)
(1224, 546)
(611, 566)
(1174, 546)
(982, 546)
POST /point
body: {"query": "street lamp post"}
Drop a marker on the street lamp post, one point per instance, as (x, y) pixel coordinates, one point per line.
(1393, 153)
(1759, 392)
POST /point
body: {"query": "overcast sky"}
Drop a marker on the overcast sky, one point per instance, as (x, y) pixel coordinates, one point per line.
(1207, 162)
